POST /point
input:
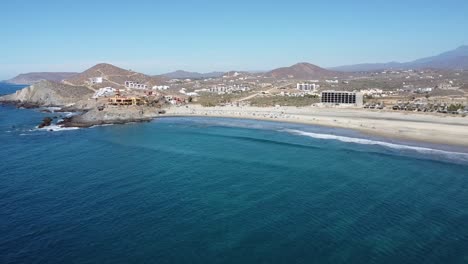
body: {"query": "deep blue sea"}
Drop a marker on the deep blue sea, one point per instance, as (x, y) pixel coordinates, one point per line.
(201, 190)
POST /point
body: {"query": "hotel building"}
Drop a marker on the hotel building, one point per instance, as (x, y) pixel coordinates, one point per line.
(342, 97)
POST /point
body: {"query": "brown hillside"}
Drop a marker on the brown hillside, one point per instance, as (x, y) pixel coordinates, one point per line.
(301, 71)
(113, 76)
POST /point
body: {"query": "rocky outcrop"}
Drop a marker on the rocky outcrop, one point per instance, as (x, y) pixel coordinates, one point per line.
(112, 115)
(47, 121)
(47, 93)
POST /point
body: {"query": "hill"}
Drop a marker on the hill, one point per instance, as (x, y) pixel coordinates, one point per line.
(34, 77)
(112, 76)
(192, 75)
(451, 60)
(301, 71)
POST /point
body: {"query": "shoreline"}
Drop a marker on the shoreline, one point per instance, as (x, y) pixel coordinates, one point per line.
(424, 128)
(417, 127)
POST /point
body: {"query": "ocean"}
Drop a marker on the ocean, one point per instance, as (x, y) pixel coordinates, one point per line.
(215, 190)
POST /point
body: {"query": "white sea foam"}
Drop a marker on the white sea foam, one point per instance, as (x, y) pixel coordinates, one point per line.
(52, 109)
(103, 125)
(448, 154)
(55, 128)
(70, 114)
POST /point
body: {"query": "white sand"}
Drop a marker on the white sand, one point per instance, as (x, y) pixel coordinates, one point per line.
(433, 128)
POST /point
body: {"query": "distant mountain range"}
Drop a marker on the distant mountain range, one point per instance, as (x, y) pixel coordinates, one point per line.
(301, 71)
(34, 77)
(452, 60)
(192, 75)
(456, 59)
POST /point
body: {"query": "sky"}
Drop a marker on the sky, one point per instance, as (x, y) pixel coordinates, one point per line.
(155, 37)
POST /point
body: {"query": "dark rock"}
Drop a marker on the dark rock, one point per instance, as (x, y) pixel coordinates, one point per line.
(45, 122)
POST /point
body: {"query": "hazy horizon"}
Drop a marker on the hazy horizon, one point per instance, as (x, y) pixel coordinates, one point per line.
(156, 38)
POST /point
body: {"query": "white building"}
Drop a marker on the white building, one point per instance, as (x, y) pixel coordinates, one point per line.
(331, 81)
(342, 98)
(135, 85)
(307, 87)
(95, 80)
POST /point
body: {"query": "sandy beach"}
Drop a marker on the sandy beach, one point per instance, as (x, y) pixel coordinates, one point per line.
(424, 127)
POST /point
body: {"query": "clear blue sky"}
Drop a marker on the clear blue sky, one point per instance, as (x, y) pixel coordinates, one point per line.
(159, 36)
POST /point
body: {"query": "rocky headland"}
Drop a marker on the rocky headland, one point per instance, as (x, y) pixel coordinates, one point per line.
(47, 93)
(111, 115)
(71, 98)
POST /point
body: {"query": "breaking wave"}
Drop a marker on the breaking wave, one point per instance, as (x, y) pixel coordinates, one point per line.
(458, 156)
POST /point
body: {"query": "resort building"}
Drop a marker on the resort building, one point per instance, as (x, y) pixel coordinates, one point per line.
(307, 86)
(342, 97)
(135, 85)
(120, 100)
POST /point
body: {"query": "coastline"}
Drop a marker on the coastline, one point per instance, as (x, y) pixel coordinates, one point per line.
(412, 126)
(418, 127)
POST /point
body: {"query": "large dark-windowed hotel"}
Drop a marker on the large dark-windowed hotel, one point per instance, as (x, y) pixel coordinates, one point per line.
(341, 97)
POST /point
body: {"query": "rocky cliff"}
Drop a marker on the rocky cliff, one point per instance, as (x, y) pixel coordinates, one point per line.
(47, 93)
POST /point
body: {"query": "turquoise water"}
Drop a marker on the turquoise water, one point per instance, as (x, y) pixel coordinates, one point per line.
(198, 190)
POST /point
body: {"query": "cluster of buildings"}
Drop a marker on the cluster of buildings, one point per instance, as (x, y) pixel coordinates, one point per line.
(421, 106)
(221, 89)
(447, 86)
(192, 94)
(174, 100)
(376, 93)
(289, 94)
